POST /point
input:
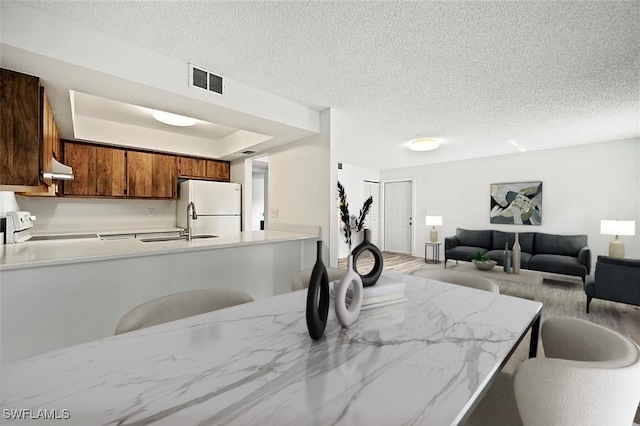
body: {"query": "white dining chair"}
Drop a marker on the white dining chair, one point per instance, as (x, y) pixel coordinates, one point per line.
(459, 278)
(301, 279)
(179, 305)
(590, 376)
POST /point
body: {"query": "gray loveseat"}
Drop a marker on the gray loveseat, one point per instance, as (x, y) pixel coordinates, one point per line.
(615, 279)
(558, 254)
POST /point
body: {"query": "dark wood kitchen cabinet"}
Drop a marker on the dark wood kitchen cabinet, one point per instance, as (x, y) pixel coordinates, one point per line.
(218, 170)
(151, 175)
(202, 168)
(28, 133)
(190, 167)
(102, 171)
(99, 171)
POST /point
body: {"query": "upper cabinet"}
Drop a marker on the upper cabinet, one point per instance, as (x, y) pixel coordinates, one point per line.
(20, 157)
(102, 171)
(151, 175)
(99, 171)
(201, 168)
(190, 167)
(218, 170)
(28, 135)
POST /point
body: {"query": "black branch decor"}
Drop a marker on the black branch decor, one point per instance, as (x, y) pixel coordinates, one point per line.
(344, 215)
(363, 213)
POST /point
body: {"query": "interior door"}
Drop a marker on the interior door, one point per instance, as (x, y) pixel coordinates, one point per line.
(398, 220)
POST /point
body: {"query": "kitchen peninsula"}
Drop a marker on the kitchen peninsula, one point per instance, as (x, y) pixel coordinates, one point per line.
(58, 293)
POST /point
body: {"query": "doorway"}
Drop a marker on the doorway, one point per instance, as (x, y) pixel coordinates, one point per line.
(398, 216)
(259, 192)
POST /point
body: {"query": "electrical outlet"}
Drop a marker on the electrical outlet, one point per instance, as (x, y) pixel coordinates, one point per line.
(152, 211)
(275, 213)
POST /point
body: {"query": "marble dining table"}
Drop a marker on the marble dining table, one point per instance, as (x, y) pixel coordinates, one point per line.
(426, 361)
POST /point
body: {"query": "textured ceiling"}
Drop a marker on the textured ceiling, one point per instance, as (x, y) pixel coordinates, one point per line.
(487, 77)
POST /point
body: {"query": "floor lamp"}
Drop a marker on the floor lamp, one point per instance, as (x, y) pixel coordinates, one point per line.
(617, 227)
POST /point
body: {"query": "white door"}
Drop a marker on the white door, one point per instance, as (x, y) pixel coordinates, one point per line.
(398, 222)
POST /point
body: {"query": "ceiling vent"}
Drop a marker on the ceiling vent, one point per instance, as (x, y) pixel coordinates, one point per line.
(200, 77)
(248, 152)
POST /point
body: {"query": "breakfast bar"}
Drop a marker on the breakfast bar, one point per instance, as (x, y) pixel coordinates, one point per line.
(427, 361)
(58, 293)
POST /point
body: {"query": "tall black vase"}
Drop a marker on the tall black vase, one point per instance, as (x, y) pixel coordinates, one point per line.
(369, 279)
(318, 297)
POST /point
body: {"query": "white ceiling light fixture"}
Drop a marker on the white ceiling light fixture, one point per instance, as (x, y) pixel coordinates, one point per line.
(424, 144)
(173, 119)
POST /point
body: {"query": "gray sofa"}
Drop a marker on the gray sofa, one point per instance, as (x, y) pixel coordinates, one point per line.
(558, 254)
(617, 280)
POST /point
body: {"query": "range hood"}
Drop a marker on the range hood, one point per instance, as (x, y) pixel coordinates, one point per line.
(59, 171)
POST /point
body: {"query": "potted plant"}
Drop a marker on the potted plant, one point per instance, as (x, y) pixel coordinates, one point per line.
(482, 261)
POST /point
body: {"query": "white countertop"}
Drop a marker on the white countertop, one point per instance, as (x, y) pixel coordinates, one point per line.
(102, 230)
(425, 361)
(55, 252)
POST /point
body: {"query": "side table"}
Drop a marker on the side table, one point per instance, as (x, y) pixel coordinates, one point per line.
(435, 252)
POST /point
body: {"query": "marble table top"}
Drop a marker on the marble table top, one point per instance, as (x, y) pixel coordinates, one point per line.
(426, 361)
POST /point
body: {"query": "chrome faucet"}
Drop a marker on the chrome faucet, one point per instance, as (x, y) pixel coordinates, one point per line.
(190, 216)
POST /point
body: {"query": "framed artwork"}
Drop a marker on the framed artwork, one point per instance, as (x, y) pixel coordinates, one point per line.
(516, 203)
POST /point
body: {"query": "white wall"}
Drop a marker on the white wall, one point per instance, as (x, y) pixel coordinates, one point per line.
(95, 214)
(352, 178)
(300, 191)
(581, 185)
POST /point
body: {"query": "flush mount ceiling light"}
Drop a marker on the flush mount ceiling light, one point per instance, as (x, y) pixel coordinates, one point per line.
(173, 119)
(424, 144)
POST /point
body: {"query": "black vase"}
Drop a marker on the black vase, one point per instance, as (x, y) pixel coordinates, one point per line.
(318, 298)
(372, 277)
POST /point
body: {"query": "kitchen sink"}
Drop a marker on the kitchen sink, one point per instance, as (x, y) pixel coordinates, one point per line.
(176, 238)
(62, 237)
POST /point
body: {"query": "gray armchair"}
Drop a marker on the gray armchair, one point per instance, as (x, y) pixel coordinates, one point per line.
(459, 278)
(590, 376)
(617, 280)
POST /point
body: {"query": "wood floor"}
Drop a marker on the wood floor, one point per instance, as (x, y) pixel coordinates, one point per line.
(397, 262)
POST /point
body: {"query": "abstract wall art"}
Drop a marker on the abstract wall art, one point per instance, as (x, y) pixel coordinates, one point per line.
(516, 203)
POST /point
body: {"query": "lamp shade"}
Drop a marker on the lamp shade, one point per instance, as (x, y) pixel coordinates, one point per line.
(433, 220)
(618, 227)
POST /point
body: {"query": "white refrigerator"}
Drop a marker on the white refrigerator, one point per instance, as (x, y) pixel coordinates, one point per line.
(217, 206)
